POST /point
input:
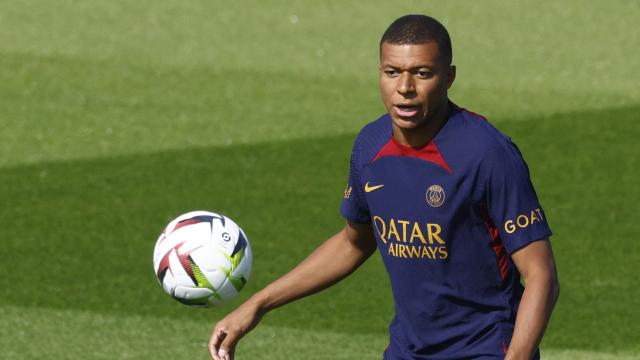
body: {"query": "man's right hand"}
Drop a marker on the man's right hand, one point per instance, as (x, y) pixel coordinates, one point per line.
(332, 261)
(231, 329)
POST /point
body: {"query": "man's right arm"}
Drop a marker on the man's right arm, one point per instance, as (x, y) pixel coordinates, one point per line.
(331, 262)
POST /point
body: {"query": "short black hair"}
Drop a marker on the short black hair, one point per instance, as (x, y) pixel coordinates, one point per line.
(419, 29)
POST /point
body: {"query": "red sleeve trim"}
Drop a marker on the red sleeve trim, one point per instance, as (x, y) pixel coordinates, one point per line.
(496, 243)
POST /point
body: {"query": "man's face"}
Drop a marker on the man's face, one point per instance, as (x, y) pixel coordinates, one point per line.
(414, 82)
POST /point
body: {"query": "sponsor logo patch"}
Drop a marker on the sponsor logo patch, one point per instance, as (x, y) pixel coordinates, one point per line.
(523, 221)
(411, 239)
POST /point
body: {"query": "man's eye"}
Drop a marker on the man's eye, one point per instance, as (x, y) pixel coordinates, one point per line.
(424, 74)
(391, 72)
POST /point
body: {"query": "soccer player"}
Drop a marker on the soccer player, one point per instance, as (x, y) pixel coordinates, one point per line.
(448, 202)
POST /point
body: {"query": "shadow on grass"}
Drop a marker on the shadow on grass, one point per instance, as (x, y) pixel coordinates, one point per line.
(79, 235)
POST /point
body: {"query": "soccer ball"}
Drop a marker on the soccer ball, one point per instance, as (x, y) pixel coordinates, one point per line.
(202, 258)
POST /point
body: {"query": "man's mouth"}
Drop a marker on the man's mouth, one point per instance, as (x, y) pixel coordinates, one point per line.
(406, 110)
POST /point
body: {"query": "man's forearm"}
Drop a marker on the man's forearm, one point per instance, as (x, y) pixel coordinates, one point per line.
(540, 295)
(332, 261)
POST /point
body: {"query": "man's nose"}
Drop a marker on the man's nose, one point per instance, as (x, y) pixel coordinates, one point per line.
(406, 84)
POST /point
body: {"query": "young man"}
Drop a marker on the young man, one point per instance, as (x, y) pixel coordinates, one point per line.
(447, 200)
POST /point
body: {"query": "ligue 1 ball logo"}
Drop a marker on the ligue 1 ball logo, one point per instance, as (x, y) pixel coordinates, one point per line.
(435, 195)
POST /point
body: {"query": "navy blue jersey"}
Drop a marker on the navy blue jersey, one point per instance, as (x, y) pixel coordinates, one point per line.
(446, 216)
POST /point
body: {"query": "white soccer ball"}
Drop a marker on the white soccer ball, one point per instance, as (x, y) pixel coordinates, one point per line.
(202, 258)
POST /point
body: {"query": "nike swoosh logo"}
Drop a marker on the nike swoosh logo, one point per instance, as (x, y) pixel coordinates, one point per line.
(368, 188)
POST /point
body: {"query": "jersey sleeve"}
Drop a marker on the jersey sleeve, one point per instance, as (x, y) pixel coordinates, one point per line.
(511, 199)
(354, 207)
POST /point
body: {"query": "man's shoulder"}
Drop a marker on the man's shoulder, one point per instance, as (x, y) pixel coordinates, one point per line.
(475, 134)
(372, 137)
(379, 128)
(475, 143)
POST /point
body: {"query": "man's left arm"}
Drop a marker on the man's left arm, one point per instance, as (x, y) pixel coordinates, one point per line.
(541, 289)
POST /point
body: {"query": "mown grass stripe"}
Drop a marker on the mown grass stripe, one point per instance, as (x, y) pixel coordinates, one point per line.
(36, 333)
(85, 229)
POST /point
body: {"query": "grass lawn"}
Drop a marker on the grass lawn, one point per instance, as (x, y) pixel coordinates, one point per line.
(118, 116)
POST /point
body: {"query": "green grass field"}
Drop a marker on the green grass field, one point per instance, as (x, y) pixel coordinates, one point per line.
(117, 116)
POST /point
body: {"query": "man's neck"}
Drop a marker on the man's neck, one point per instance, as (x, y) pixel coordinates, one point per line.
(422, 135)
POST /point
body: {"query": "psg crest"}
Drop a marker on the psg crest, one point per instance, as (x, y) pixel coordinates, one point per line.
(435, 195)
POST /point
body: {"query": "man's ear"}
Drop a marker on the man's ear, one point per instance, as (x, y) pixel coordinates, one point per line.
(451, 76)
